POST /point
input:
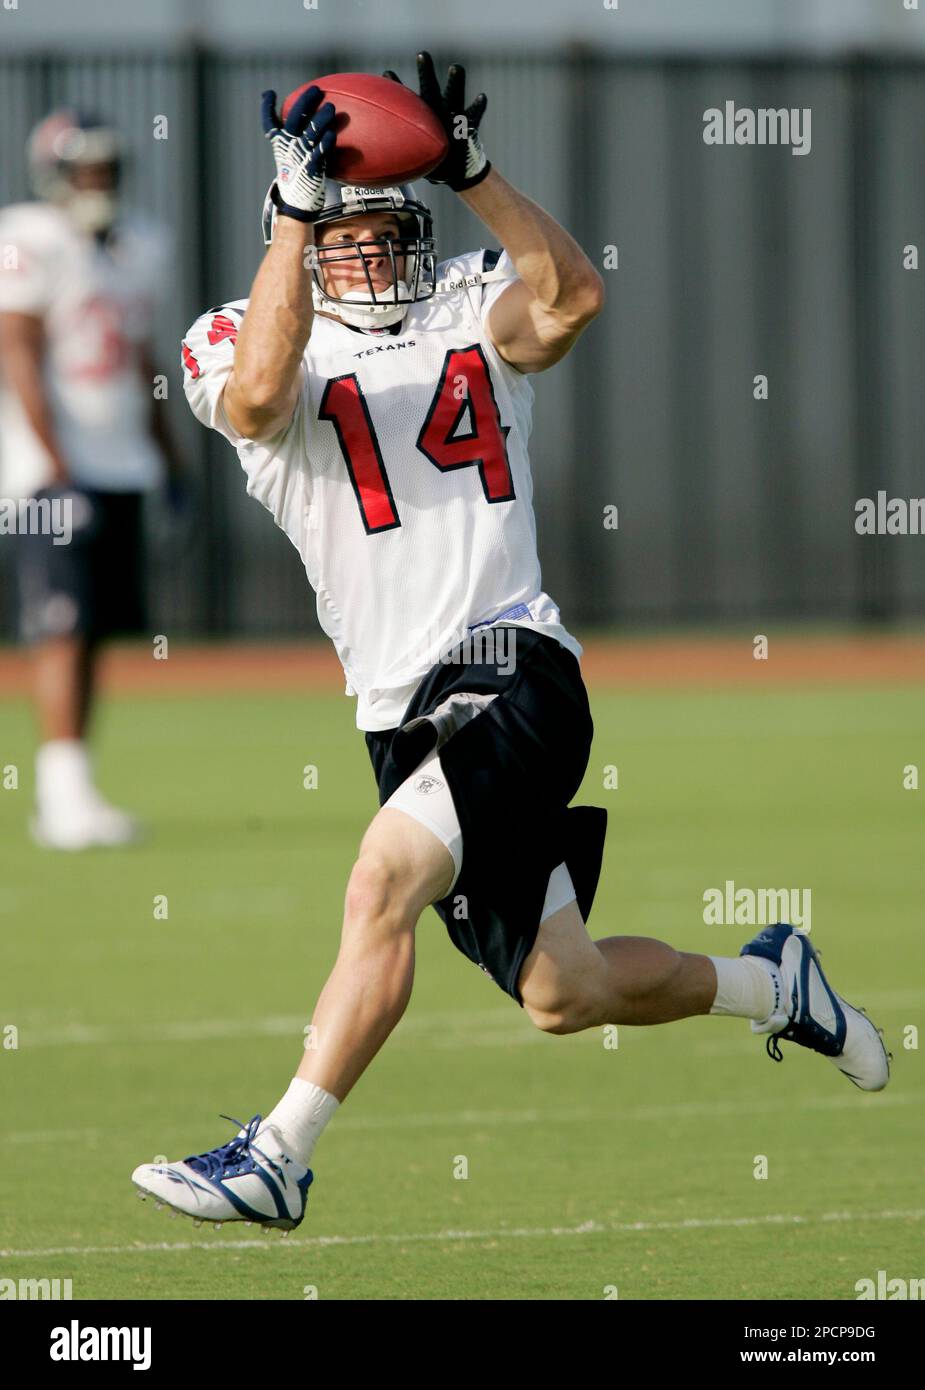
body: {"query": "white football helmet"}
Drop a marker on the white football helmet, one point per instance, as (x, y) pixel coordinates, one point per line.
(372, 310)
(58, 146)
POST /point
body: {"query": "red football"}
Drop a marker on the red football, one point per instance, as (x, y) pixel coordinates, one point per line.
(385, 133)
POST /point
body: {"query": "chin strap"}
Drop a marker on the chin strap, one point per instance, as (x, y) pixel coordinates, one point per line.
(461, 282)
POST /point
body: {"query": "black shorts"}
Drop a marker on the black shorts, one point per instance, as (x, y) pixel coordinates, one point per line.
(92, 587)
(512, 770)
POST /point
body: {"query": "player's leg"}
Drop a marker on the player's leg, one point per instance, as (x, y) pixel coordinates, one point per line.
(569, 982)
(401, 868)
(54, 616)
(63, 594)
(262, 1175)
(62, 669)
(409, 857)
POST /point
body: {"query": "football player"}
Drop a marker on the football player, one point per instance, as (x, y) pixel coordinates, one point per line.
(78, 426)
(380, 408)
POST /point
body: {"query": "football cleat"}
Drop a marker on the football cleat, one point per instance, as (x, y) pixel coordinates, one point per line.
(91, 824)
(240, 1181)
(807, 1010)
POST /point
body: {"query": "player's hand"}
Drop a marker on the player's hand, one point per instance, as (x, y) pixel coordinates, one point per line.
(465, 164)
(301, 146)
(173, 515)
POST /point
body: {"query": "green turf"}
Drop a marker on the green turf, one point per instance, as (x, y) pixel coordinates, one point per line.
(588, 1168)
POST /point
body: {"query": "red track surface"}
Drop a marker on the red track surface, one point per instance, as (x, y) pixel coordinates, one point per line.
(611, 664)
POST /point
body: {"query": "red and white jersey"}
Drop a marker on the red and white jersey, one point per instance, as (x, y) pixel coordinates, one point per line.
(403, 480)
(97, 307)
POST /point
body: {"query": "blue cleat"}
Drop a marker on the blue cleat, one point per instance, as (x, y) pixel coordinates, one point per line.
(807, 1010)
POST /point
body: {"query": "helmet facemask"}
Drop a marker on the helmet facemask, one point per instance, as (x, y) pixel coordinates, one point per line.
(363, 305)
(64, 149)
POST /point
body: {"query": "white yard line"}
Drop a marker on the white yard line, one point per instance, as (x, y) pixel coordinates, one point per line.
(467, 1028)
(519, 1233)
(579, 1114)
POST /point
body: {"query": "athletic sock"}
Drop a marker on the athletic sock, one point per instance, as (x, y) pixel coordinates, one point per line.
(62, 773)
(300, 1117)
(746, 987)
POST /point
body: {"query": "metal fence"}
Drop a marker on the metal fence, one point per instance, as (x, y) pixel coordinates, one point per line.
(733, 261)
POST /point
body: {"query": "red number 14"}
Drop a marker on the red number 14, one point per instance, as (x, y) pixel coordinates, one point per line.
(483, 447)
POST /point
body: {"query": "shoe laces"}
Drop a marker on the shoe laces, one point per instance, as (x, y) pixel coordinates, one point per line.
(807, 1030)
(238, 1151)
(823, 1040)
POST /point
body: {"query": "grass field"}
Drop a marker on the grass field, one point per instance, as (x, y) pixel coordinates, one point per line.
(588, 1167)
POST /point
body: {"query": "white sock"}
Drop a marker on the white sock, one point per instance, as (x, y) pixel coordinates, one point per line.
(746, 987)
(300, 1117)
(62, 773)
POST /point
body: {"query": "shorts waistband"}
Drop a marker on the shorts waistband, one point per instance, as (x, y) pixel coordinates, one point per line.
(520, 610)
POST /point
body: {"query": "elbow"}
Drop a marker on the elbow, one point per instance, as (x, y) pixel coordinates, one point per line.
(585, 301)
(259, 397)
(257, 409)
(590, 298)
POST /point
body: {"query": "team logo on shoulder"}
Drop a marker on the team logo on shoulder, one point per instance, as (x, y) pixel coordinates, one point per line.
(189, 362)
(222, 327)
(425, 784)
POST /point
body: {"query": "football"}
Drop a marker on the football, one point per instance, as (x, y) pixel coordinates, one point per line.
(385, 133)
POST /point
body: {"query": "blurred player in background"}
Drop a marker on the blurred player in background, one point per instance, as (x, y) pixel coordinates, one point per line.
(78, 423)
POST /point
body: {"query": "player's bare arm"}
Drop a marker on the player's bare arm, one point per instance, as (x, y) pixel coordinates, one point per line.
(263, 388)
(22, 352)
(538, 318)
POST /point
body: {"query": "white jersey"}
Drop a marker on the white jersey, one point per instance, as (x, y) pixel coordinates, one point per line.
(97, 308)
(403, 480)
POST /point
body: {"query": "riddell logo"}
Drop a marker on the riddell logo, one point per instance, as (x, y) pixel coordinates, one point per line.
(352, 192)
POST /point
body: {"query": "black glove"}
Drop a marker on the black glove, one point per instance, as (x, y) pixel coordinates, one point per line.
(465, 164)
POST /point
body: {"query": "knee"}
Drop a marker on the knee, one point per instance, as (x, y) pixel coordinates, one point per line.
(548, 1023)
(374, 891)
(566, 1014)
